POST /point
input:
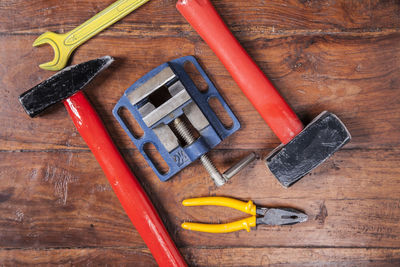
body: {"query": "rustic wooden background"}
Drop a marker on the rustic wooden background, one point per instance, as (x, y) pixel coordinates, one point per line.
(56, 206)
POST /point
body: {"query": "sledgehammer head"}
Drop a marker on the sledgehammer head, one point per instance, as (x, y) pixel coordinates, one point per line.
(62, 85)
(325, 135)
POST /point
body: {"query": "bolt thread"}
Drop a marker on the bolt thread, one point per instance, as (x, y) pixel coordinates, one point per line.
(184, 131)
(214, 173)
(208, 165)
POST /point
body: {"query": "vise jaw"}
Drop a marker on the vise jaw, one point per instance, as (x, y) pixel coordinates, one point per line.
(167, 94)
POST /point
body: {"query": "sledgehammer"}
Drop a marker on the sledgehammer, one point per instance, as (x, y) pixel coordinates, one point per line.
(302, 149)
(66, 86)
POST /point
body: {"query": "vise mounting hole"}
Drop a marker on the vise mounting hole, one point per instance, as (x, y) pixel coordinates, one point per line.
(130, 122)
(156, 158)
(221, 113)
(196, 77)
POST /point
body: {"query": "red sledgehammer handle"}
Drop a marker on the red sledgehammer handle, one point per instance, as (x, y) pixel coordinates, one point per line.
(125, 185)
(255, 85)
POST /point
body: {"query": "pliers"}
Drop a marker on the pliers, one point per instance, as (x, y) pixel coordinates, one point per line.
(269, 216)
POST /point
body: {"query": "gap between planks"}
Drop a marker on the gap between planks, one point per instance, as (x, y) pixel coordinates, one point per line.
(236, 30)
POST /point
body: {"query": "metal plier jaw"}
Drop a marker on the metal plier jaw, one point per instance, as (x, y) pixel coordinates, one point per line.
(273, 216)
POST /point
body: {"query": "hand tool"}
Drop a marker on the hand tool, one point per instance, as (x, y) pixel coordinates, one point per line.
(302, 149)
(160, 101)
(65, 44)
(65, 86)
(269, 216)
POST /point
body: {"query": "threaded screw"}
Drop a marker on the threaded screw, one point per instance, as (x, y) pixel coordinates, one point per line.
(205, 160)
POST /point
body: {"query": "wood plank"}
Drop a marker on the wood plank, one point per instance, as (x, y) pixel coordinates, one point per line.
(18, 16)
(78, 257)
(206, 257)
(293, 257)
(62, 199)
(353, 76)
(70, 193)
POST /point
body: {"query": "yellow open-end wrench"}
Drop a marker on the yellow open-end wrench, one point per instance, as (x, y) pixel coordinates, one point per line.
(65, 44)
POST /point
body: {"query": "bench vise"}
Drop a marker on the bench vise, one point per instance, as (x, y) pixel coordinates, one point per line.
(164, 102)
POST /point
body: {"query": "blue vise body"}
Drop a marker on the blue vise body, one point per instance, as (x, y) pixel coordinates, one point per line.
(163, 95)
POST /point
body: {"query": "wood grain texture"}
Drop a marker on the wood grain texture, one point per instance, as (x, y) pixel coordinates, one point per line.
(78, 257)
(314, 73)
(246, 17)
(57, 208)
(207, 257)
(62, 199)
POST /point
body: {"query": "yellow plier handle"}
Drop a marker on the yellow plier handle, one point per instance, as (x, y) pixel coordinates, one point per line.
(244, 224)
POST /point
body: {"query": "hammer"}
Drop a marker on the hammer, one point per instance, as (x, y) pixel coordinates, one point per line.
(302, 149)
(66, 86)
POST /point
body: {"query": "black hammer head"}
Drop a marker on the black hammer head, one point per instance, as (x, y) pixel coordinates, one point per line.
(62, 85)
(325, 135)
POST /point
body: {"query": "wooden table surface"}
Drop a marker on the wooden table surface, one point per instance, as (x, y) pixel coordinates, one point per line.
(56, 206)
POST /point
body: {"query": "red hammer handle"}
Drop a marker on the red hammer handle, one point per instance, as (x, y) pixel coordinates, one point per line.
(125, 185)
(254, 84)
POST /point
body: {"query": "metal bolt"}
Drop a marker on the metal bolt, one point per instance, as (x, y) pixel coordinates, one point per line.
(205, 160)
(219, 179)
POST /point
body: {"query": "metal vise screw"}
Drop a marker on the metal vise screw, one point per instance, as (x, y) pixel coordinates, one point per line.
(219, 179)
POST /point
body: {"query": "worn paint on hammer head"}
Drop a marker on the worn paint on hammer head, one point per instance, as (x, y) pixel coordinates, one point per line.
(62, 85)
(325, 135)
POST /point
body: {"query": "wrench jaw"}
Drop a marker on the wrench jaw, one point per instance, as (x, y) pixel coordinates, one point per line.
(61, 53)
